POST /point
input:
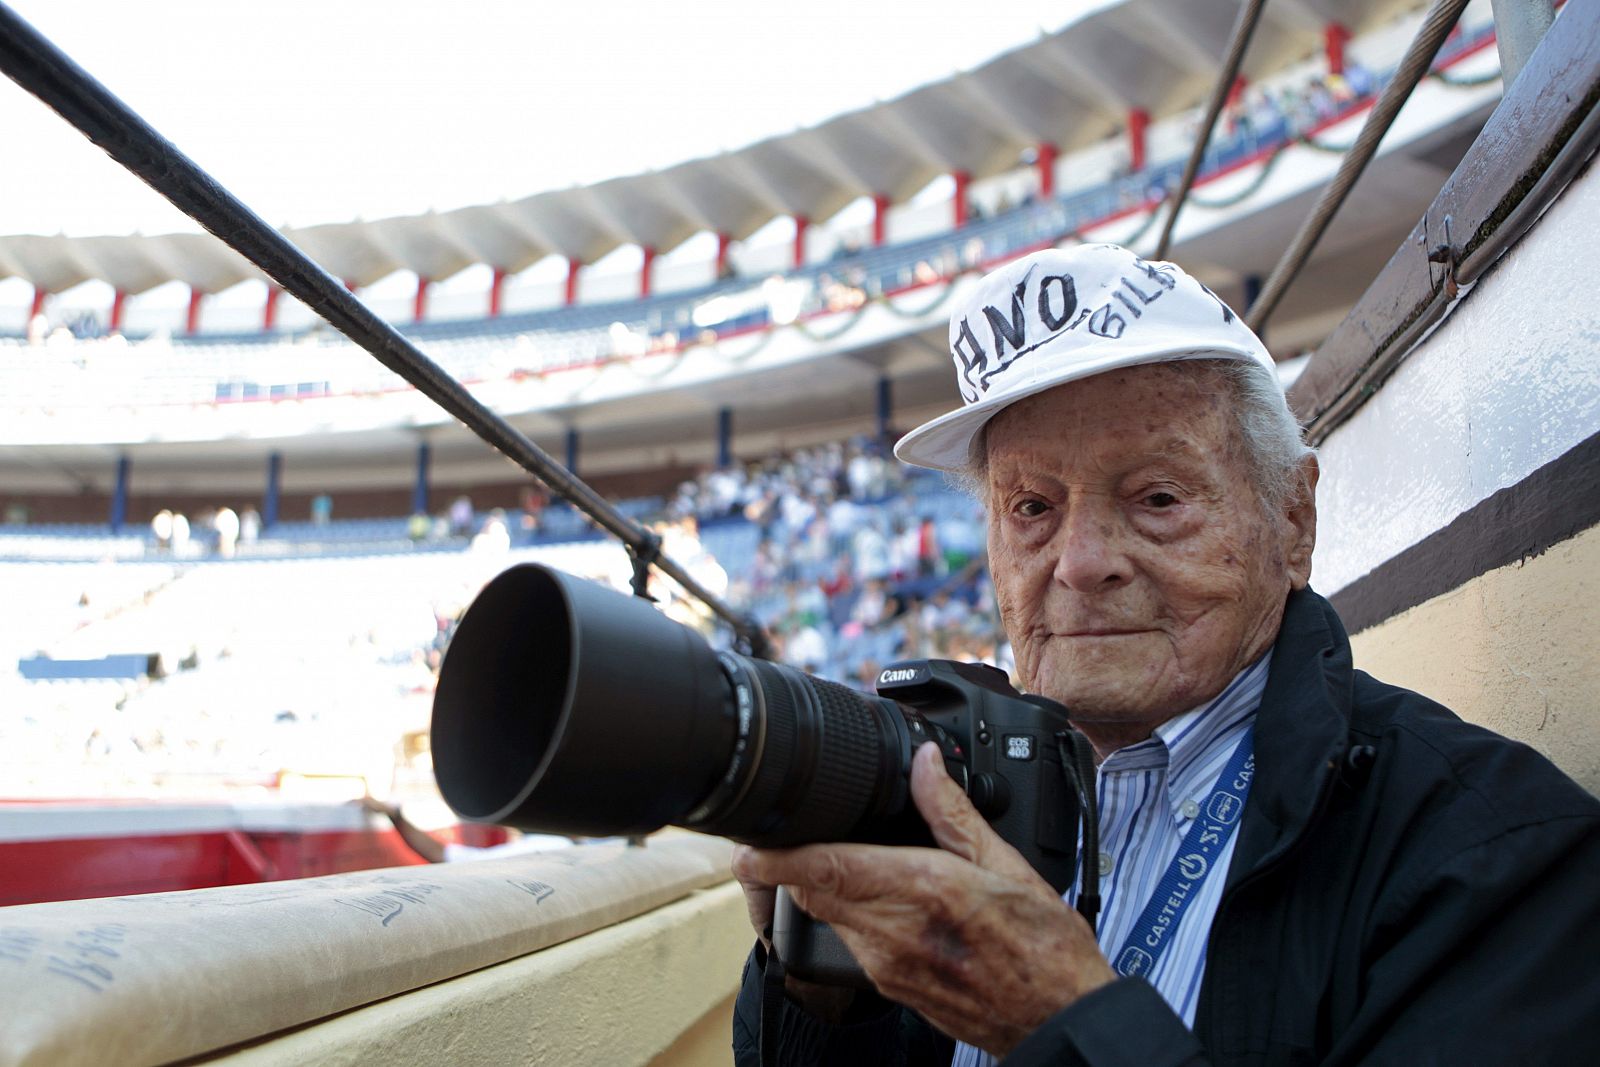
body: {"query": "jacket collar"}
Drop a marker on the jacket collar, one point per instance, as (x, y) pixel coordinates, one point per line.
(1302, 731)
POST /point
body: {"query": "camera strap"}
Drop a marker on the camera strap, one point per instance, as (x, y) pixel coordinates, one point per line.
(1196, 860)
(772, 984)
(1077, 765)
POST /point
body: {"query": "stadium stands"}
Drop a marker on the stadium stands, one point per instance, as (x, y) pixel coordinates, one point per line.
(309, 664)
(237, 367)
(316, 653)
(313, 646)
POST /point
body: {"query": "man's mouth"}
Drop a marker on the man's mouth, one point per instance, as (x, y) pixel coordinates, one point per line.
(1103, 631)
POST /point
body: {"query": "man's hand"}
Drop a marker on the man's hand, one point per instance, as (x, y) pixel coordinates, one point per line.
(760, 898)
(422, 843)
(967, 935)
(828, 1003)
(376, 806)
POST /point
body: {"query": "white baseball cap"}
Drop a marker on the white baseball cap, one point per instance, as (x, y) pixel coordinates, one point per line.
(1063, 314)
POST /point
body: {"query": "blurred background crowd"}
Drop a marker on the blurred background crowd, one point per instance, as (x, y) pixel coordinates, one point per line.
(313, 651)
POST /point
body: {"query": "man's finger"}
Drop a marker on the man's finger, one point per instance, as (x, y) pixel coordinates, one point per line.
(758, 896)
(956, 824)
(848, 871)
(911, 890)
(744, 867)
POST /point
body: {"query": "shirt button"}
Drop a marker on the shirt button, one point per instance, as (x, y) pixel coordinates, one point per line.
(1189, 808)
(1105, 864)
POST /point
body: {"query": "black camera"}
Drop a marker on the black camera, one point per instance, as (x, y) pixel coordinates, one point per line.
(566, 707)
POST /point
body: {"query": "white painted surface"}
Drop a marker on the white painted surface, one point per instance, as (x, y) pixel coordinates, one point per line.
(57, 822)
(1508, 383)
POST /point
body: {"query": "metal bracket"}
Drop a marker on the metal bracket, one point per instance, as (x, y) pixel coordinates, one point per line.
(753, 640)
(643, 557)
(1448, 255)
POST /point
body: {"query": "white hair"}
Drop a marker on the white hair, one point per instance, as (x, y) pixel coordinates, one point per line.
(1272, 439)
(1274, 443)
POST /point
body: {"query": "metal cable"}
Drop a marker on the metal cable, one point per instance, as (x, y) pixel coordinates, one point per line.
(1243, 28)
(39, 67)
(1418, 58)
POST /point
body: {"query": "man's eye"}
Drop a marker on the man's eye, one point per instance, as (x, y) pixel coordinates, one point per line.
(1160, 500)
(1031, 509)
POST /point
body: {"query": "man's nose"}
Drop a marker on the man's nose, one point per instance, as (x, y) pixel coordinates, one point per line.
(1090, 547)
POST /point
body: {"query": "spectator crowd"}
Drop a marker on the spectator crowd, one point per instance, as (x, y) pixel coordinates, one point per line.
(849, 559)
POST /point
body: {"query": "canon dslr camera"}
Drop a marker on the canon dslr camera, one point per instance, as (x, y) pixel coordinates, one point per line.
(564, 707)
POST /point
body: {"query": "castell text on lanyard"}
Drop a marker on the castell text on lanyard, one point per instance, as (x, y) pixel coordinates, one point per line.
(1196, 859)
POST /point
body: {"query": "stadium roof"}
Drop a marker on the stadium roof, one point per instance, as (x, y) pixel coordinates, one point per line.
(1070, 88)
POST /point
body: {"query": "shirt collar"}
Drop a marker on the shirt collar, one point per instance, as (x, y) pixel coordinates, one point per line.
(1187, 745)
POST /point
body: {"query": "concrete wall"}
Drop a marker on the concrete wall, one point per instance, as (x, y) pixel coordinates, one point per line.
(1459, 505)
(1513, 650)
(657, 989)
(1508, 383)
(600, 954)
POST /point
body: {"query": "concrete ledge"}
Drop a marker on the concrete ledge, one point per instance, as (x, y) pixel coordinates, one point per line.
(656, 989)
(151, 979)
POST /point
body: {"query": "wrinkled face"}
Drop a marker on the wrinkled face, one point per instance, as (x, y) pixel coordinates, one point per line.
(1136, 568)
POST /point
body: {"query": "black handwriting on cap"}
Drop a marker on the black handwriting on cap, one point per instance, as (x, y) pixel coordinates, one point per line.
(1055, 303)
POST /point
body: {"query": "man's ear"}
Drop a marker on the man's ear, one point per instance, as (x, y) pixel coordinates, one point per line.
(1301, 530)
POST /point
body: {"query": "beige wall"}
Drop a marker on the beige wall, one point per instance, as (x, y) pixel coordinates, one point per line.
(655, 990)
(708, 1043)
(1516, 650)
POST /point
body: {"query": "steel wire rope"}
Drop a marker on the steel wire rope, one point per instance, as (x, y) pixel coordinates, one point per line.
(1244, 27)
(1413, 66)
(41, 68)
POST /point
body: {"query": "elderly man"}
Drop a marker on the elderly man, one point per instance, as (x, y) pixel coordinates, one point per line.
(1401, 887)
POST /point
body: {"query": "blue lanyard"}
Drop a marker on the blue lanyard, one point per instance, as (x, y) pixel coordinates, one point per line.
(1196, 859)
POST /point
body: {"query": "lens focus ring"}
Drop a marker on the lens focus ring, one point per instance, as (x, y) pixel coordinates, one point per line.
(826, 795)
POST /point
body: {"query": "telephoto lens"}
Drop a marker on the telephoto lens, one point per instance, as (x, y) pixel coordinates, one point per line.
(566, 707)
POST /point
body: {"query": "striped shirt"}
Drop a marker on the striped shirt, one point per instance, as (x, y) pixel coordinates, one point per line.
(1149, 793)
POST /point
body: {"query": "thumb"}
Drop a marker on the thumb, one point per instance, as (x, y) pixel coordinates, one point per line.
(957, 827)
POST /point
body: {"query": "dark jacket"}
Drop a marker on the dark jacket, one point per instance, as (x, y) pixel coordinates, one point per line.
(1406, 889)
